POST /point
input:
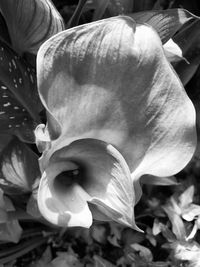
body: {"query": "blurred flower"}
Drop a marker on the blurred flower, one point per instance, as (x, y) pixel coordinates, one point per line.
(182, 207)
(189, 252)
(65, 259)
(115, 111)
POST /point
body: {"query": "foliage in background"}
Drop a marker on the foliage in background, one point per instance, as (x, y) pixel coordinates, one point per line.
(169, 211)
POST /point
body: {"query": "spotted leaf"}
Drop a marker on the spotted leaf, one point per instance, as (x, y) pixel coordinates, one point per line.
(18, 168)
(18, 95)
(31, 23)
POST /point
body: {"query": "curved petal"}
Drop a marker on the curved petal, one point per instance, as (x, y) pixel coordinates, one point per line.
(31, 23)
(104, 180)
(173, 52)
(110, 80)
(68, 208)
(42, 138)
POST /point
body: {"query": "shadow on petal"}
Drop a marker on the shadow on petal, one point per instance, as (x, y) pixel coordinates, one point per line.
(88, 170)
(61, 208)
(110, 80)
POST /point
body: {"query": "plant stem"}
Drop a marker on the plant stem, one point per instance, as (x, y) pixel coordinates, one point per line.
(20, 250)
(76, 16)
(19, 215)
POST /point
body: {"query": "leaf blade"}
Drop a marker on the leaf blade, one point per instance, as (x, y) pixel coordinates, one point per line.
(32, 23)
(165, 22)
(18, 168)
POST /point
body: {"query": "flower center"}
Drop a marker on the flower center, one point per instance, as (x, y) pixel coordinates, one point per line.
(66, 179)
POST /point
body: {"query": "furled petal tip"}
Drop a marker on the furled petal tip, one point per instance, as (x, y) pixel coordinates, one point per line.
(88, 175)
(110, 80)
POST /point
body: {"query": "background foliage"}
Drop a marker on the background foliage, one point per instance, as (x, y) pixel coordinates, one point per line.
(169, 214)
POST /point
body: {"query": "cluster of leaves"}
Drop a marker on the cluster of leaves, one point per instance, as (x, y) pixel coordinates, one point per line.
(170, 215)
(170, 237)
(170, 220)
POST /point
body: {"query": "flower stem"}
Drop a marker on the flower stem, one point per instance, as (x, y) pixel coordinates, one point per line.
(76, 16)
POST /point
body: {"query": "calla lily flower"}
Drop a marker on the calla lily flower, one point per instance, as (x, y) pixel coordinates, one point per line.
(116, 110)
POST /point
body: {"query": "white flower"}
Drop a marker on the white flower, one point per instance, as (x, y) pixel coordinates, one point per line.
(116, 110)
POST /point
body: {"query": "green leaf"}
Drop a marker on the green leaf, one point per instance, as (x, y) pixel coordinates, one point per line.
(190, 212)
(21, 249)
(159, 264)
(18, 168)
(45, 259)
(115, 234)
(186, 198)
(4, 35)
(165, 22)
(144, 252)
(100, 262)
(100, 8)
(32, 207)
(173, 214)
(66, 259)
(153, 180)
(186, 251)
(5, 140)
(143, 5)
(129, 236)
(157, 227)
(120, 7)
(3, 211)
(77, 14)
(9, 230)
(19, 102)
(188, 41)
(167, 233)
(30, 23)
(98, 233)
